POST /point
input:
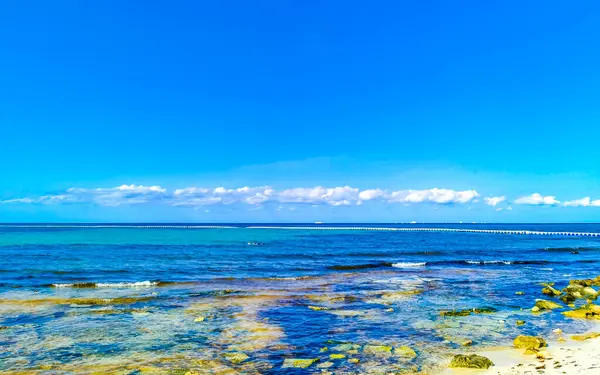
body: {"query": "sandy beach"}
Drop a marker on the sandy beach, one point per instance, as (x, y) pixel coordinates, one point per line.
(571, 357)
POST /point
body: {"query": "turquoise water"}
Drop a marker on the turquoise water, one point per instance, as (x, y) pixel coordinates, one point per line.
(240, 300)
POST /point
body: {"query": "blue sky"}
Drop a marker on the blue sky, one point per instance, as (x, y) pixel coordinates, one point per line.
(428, 103)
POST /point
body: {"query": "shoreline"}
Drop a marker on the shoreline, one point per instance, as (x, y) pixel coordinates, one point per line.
(570, 357)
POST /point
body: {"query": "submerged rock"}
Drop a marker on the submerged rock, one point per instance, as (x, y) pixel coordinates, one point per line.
(298, 362)
(405, 352)
(456, 313)
(471, 361)
(318, 308)
(520, 322)
(337, 356)
(467, 312)
(520, 293)
(529, 342)
(354, 360)
(325, 364)
(345, 347)
(377, 350)
(236, 357)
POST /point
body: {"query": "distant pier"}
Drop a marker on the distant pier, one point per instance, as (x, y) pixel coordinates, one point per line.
(391, 229)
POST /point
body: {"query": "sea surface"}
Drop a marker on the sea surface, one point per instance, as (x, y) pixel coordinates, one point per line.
(175, 300)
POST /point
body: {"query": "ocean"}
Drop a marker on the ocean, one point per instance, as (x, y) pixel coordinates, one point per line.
(249, 299)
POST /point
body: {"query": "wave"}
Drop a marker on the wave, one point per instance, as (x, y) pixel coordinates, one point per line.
(349, 267)
(409, 264)
(90, 285)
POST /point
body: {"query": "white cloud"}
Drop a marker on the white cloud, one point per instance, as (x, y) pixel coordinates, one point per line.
(195, 196)
(338, 196)
(371, 194)
(583, 202)
(256, 196)
(537, 200)
(442, 196)
(493, 201)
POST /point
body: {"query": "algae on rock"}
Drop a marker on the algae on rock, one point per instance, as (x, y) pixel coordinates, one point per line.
(298, 362)
(471, 361)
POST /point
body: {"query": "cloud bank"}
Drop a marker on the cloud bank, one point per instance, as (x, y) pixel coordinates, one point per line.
(199, 196)
(537, 200)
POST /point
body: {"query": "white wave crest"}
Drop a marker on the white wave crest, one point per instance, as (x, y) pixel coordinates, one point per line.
(409, 264)
(138, 284)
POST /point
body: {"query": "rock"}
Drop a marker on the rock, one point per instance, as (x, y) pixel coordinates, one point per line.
(543, 354)
(354, 360)
(324, 349)
(337, 356)
(587, 336)
(477, 310)
(484, 310)
(546, 305)
(550, 291)
(558, 331)
(590, 292)
(456, 313)
(467, 343)
(236, 357)
(568, 298)
(200, 319)
(325, 365)
(520, 293)
(405, 351)
(377, 350)
(520, 322)
(529, 342)
(531, 351)
(583, 283)
(298, 362)
(318, 308)
(471, 361)
(591, 312)
(389, 310)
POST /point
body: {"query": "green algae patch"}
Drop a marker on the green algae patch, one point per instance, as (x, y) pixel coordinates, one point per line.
(467, 312)
(298, 362)
(377, 350)
(405, 352)
(529, 342)
(456, 313)
(236, 357)
(471, 361)
(77, 301)
(337, 356)
(345, 347)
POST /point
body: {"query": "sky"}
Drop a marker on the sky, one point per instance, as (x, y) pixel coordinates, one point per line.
(299, 111)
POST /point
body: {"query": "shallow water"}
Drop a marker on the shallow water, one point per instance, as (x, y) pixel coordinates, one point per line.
(166, 300)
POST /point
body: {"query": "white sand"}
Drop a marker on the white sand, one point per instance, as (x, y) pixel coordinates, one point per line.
(571, 358)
